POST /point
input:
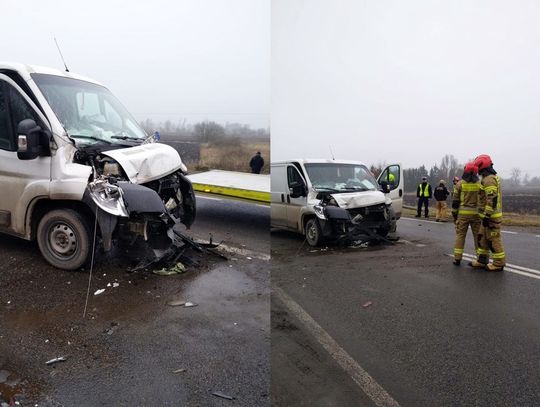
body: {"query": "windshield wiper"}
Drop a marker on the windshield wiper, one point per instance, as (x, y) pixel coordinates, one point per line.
(326, 189)
(90, 138)
(117, 135)
(355, 189)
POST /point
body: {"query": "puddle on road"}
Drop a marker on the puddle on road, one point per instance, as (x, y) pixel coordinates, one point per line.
(220, 282)
(13, 387)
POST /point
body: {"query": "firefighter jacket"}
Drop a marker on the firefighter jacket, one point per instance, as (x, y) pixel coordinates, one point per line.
(465, 198)
(490, 197)
(441, 193)
(423, 190)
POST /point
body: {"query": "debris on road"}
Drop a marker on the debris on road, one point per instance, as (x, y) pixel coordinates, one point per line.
(100, 291)
(178, 268)
(223, 396)
(190, 304)
(176, 303)
(367, 304)
(56, 360)
(179, 371)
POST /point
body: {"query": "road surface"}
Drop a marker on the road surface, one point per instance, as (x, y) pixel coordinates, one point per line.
(403, 326)
(133, 348)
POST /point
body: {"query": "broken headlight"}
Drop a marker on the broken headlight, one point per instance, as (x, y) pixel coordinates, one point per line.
(319, 211)
(108, 197)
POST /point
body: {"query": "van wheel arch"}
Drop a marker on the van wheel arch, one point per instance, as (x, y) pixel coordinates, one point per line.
(42, 206)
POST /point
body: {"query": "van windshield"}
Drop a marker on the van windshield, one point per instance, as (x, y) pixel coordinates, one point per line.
(90, 113)
(336, 177)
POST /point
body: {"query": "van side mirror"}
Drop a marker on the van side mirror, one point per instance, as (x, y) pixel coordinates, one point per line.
(32, 141)
(297, 190)
(385, 187)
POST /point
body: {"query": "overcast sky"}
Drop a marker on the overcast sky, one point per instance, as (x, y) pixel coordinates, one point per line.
(407, 81)
(193, 59)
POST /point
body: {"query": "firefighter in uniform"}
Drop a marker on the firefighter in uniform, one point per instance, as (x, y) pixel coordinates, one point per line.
(490, 211)
(465, 209)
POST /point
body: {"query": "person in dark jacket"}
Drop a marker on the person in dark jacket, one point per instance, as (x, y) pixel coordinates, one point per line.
(256, 163)
(440, 194)
(423, 193)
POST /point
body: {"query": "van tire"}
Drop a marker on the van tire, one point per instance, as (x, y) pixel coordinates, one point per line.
(63, 237)
(313, 232)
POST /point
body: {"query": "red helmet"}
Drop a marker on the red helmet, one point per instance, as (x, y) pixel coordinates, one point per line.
(483, 161)
(471, 167)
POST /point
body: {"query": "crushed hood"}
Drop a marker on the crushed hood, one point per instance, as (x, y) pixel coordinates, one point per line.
(359, 199)
(147, 162)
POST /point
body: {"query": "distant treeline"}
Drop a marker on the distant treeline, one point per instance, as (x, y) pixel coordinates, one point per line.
(450, 167)
(205, 131)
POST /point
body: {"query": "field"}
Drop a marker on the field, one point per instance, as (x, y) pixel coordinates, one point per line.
(521, 208)
(233, 156)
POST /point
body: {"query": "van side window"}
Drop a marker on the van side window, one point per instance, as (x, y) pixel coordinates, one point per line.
(20, 110)
(293, 177)
(391, 176)
(7, 141)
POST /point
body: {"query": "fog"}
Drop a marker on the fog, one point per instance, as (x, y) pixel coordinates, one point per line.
(166, 60)
(407, 81)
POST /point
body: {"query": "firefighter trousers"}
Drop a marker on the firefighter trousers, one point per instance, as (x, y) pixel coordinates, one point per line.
(463, 223)
(490, 242)
(441, 210)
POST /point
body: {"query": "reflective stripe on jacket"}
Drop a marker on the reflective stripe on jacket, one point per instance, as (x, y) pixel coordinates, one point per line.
(491, 202)
(465, 198)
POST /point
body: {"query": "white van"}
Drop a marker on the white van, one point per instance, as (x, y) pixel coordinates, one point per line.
(335, 199)
(70, 151)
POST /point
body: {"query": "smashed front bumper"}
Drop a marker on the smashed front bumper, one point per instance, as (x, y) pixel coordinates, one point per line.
(369, 224)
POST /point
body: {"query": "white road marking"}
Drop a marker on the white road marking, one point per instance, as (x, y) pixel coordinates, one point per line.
(375, 392)
(420, 245)
(512, 268)
(263, 206)
(208, 197)
(423, 220)
(537, 235)
(510, 233)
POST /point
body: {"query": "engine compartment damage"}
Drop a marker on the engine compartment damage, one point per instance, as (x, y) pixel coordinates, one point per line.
(368, 224)
(128, 212)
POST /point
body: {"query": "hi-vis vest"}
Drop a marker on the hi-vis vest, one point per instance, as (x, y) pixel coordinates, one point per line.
(425, 192)
(491, 202)
(468, 198)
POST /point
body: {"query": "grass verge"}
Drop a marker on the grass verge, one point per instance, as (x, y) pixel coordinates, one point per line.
(509, 219)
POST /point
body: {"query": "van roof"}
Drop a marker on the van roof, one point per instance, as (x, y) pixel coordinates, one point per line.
(319, 161)
(25, 71)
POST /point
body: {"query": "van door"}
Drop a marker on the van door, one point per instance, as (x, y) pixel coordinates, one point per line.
(296, 197)
(393, 176)
(18, 178)
(278, 188)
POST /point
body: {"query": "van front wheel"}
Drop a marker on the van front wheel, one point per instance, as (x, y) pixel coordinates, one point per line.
(313, 232)
(63, 238)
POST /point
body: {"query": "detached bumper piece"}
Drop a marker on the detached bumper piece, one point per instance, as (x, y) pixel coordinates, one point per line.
(180, 251)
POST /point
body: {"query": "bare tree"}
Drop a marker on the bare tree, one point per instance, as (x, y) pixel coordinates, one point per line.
(515, 177)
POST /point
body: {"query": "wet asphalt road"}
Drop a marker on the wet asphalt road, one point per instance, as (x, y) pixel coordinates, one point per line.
(133, 348)
(434, 334)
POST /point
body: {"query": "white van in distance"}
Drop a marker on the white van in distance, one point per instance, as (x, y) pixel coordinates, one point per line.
(69, 151)
(335, 199)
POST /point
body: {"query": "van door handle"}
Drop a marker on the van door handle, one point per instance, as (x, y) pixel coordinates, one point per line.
(400, 192)
(282, 198)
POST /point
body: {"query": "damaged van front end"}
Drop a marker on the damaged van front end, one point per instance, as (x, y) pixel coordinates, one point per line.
(142, 192)
(353, 218)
